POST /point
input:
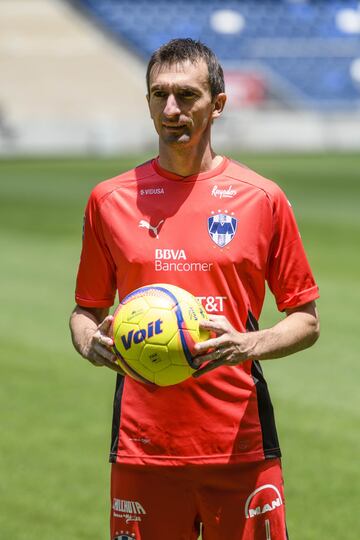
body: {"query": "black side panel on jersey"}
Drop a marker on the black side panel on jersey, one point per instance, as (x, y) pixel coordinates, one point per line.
(116, 417)
(265, 408)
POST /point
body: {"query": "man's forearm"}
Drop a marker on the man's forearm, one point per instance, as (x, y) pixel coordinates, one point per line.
(298, 331)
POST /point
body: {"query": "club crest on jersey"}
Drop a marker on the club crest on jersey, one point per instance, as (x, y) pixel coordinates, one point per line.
(222, 227)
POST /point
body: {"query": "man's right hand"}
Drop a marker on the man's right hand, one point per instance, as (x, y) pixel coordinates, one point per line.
(100, 351)
(92, 340)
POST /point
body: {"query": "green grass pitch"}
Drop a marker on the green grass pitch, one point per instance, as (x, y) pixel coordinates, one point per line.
(56, 409)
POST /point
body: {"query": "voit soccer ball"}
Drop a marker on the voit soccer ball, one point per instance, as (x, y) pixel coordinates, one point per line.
(155, 329)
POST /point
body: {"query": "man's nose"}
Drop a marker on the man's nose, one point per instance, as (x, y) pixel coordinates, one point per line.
(171, 107)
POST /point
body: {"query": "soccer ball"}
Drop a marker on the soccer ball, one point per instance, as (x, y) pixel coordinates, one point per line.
(154, 330)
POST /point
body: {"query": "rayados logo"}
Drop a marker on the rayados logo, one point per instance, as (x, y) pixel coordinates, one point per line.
(256, 505)
(228, 193)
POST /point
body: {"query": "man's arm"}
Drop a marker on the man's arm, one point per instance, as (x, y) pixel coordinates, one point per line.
(299, 330)
(90, 333)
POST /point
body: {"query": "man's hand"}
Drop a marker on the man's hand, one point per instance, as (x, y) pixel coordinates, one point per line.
(296, 332)
(92, 339)
(229, 347)
(100, 352)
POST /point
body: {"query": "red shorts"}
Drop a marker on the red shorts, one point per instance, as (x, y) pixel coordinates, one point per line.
(231, 502)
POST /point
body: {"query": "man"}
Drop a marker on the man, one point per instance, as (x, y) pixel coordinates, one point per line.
(206, 450)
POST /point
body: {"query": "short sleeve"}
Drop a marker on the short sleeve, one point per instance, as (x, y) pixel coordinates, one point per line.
(288, 274)
(96, 278)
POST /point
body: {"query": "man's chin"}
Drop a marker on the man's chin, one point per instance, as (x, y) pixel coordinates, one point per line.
(177, 139)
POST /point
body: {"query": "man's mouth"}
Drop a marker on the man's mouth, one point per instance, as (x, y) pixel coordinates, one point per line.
(174, 126)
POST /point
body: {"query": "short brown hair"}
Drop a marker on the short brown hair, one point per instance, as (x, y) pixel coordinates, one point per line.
(180, 50)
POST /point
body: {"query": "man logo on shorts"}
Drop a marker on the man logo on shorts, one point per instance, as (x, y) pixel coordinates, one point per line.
(124, 537)
(264, 499)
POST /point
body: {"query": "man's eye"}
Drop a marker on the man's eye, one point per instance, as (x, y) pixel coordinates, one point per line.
(187, 94)
(159, 94)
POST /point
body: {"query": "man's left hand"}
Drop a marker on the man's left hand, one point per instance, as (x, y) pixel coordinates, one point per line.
(229, 347)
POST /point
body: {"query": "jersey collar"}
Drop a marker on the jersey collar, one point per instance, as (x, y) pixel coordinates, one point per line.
(192, 178)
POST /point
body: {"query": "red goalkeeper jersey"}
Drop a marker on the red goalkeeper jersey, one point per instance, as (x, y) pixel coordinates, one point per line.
(221, 235)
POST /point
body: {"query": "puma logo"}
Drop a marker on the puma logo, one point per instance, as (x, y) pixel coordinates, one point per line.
(146, 225)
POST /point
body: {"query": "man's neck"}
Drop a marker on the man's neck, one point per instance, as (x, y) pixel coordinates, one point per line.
(186, 162)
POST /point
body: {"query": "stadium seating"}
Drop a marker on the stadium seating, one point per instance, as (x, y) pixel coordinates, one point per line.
(62, 83)
(303, 50)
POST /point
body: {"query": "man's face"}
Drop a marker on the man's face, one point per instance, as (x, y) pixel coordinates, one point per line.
(180, 102)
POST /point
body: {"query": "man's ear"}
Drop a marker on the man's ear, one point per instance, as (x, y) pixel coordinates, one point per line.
(218, 105)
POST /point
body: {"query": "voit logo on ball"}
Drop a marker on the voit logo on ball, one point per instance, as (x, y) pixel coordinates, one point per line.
(264, 499)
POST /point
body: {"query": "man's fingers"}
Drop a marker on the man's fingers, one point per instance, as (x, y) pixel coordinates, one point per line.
(217, 325)
(101, 357)
(114, 367)
(105, 340)
(216, 318)
(206, 369)
(104, 352)
(105, 363)
(203, 346)
(103, 333)
(217, 353)
(197, 361)
(213, 343)
(105, 326)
